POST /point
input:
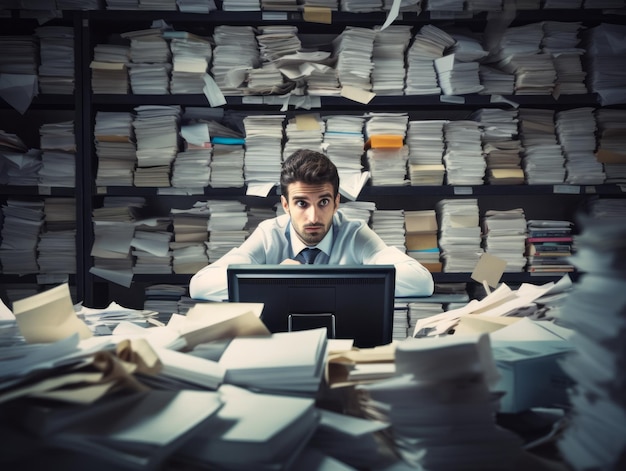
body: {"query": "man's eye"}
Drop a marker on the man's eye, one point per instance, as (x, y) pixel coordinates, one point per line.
(301, 204)
(324, 202)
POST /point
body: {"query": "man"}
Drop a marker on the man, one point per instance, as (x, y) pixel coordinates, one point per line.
(309, 184)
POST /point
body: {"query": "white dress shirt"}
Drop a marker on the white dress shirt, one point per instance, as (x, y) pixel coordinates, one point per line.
(349, 242)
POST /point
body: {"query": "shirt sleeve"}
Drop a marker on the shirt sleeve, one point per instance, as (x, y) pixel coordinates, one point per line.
(412, 278)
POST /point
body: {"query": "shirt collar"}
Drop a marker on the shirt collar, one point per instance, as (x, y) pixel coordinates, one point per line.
(297, 245)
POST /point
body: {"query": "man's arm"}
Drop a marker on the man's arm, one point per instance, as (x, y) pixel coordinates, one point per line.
(211, 283)
(412, 278)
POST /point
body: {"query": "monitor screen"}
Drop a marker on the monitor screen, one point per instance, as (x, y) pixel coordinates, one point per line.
(351, 301)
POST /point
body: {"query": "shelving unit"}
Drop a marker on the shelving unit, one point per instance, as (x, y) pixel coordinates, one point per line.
(93, 27)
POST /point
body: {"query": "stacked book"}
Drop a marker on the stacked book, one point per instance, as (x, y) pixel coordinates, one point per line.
(549, 246)
(459, 234)
(504, 234)
(426, 148)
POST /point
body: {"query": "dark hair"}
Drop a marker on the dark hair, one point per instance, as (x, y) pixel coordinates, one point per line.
(308, 166)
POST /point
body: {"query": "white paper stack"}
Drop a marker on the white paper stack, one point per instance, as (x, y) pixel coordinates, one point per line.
(58, 159)
(236, 51)
(456, 77)
(519, 52)
(426, 148)
(303, 132)
(389, 225)
(151, 250)
(504, 235)
(156, 130)
(464, 160)
(57, 243)
(561, 39)
(226, 227)
(353, 49)
(455, 427)
(446, 5)
(576, 131)
(405, 5)
(495, 82)
(115, 148)
(264, 136)
(543, 160)
(596, 433)
(227, 166)
(359, 210)
(501, 145)
(56, 51)
(19, 55)
(190, 234)
(191, 56)
(421, 310)
(109, 69)
(284, 361)
(241, 5)
(253, 430)
(388, 56)
(428, 44)
(23, 222)
(150, 66)
(196, 6)
(344, 141)
(611, 141)
(360, 6)
(387, 165)
(459, 234)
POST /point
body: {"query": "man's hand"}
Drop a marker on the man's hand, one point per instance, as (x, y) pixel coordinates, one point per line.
(290, 261)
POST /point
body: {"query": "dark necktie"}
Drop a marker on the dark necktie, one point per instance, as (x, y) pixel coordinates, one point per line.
(308, 255)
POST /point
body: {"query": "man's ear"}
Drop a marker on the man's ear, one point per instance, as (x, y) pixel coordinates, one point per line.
(337, 199)
(285, 203)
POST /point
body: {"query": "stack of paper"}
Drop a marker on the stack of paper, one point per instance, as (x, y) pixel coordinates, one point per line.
(196, 6)
(386, 154)
(457, 77)
(252, 430)
(353, 49)
(576, 131)
(464, 160)
(421, 238)
(191, 169)
(426, 147)
(57, 243)
(595, 435)
(226, 227)
(428, 44)
(115, 148)
(388, 56)
(277, 41)
(343, 144)
(304, 131)
(190, 234)
(227, 166)
(284, 361)
(241, 5)
(144, 432)
(263, 157)
(151, 248)
(109, 69)
(446, 5)
(56, 52)
(58, 161)
(501, 145)
(164, 299)
(603, 51)
(20, 55)
(191, 56)
(543, 160)
(236, 51)
(421, 310)
(23, 221)
(389, 225)
(495, 82)
(359, 210)
(356, 6)
(611, 142)
(459, 234)
(549, 246)
(561, 39)
(150, 65)
(455, 426)
(156, 132)
(504, 235)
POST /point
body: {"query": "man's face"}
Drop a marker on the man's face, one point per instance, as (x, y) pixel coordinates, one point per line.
(311, 208)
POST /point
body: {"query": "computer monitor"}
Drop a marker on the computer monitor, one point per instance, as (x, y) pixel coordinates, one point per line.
(351, 301)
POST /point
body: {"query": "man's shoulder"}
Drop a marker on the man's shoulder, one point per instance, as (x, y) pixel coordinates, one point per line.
(279, 222)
